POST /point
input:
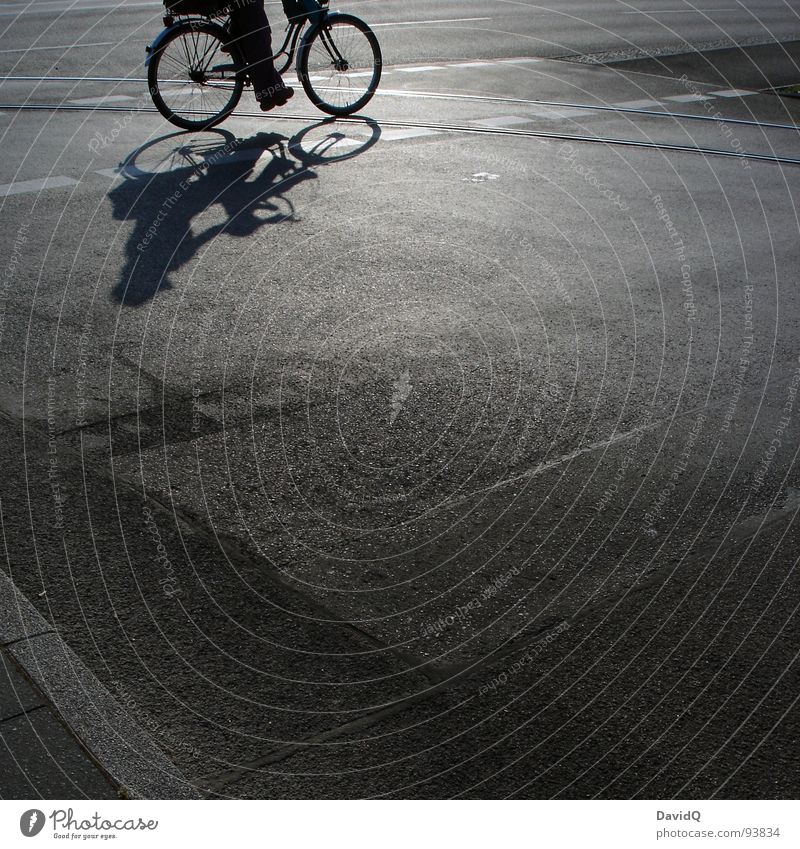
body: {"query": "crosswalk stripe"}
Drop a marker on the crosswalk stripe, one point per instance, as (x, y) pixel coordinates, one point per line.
(687, 98)
(98, 101)
(733, 92)
(25, 186)
(502, 122)
(410, 133)
(421, 68)
(637, 104)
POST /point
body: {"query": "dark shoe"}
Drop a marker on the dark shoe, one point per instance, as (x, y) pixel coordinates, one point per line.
(279, 97)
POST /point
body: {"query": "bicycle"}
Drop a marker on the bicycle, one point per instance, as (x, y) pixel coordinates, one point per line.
(196, 71)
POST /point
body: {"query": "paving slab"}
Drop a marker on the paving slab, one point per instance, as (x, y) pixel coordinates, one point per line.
(39, 759)
(16, 694)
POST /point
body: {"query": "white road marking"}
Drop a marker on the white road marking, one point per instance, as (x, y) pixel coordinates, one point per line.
(134, 172)
(61, 47)
(419, 68)
(252, 155)
(411, 133)
(342, 141)
(469, 64)
(548, 465)
(637, 104)
(517, 61)
(733, 92)
(503, 122)
(437, 21)
(687, 98)
(111, 173)
(678, 11)
(24, 186)
(481, 177)
(97, 101)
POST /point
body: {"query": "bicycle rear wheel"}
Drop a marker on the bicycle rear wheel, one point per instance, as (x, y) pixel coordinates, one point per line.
(339, 64)
(186, 85)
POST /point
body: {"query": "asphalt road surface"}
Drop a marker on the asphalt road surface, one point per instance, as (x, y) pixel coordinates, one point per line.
(447, 451)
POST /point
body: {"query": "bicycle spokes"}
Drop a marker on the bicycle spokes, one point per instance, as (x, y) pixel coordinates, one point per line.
(192, 79)
(341, 65)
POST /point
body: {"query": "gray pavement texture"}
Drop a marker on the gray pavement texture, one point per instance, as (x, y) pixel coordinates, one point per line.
(405, 461)
(759, 67)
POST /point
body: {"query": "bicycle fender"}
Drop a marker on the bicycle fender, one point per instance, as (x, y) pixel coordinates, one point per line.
(162, 36)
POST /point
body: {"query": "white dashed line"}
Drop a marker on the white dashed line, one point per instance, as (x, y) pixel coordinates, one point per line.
(437, 21)
(343, 141)
(733, 92)
(678, 11)
(687, 98)
(637, 104)
(503, 122)
(98, 101)
(111, 173)
(421, 68)
(470, 64)
(411, 133)
(517, 61)
(59, 47)
(24, 186)
(132, 172)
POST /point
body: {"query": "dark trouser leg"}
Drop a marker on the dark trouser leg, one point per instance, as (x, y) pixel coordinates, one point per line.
(250, 28)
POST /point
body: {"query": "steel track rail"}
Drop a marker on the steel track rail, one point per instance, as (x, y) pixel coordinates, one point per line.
(608, 141)
(432, 95)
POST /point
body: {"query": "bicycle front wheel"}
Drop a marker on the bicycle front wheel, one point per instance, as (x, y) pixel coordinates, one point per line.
(339, 64)
(191, 78)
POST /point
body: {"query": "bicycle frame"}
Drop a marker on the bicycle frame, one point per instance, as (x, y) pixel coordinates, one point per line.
(290, 41)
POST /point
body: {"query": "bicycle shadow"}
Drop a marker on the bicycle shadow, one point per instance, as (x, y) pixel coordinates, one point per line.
(167, 185)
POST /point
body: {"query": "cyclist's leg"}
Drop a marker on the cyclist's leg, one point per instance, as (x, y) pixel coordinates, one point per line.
(250, 28)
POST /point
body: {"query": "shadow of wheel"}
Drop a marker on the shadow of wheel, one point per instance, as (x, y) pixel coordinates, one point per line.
(334, 140)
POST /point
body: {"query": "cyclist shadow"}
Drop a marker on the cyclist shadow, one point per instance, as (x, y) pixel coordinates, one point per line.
(167, 186)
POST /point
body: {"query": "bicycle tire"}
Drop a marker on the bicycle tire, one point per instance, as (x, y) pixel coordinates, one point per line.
(356, 43)
(207, 104)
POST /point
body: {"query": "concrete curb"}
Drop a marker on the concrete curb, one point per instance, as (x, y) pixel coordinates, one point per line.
(122, 749)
